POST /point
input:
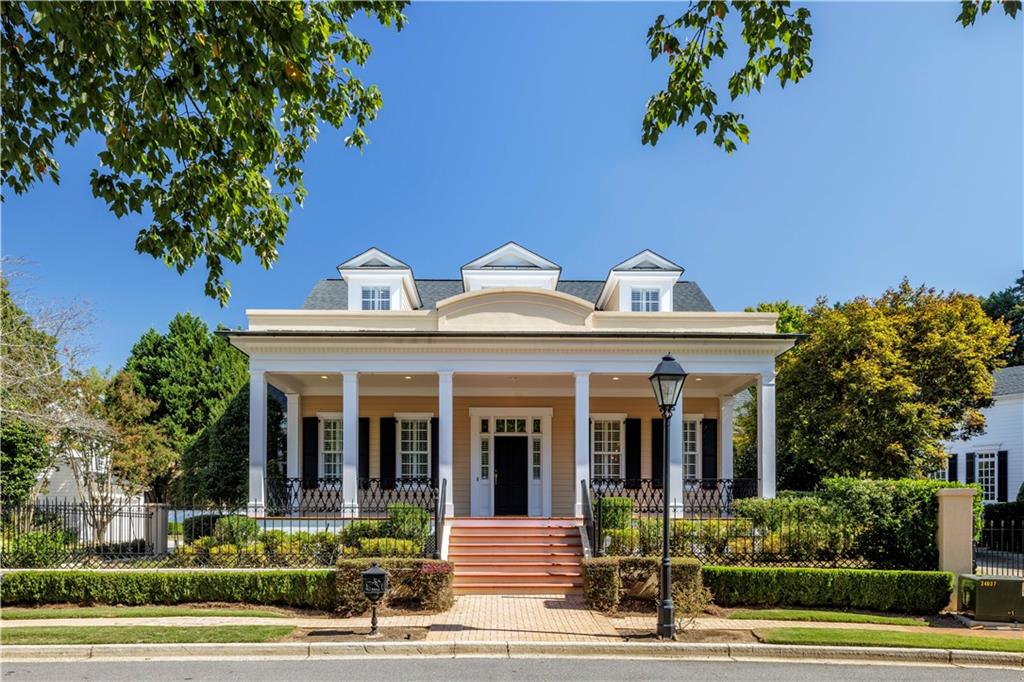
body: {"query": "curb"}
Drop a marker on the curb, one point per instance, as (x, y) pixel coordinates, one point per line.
(500, 649)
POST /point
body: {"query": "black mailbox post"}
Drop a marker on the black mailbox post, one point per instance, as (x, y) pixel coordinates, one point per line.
(375, 586)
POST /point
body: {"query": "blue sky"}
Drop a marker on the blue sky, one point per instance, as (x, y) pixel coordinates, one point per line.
(901, 155)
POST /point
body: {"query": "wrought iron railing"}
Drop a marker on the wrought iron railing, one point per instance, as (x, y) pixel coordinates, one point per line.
(999, 549)
(296, 496)
(375, 495)
(588, 517)
(696, 496)
(439, 518)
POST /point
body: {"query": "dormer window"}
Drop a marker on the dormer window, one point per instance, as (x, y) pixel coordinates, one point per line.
(646, 300)
(376, 298)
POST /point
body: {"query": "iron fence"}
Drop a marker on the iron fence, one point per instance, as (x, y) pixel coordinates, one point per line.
(999, 548)
(697, 496)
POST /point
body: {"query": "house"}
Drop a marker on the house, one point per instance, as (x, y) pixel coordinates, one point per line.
(510, 387)
(995, 459)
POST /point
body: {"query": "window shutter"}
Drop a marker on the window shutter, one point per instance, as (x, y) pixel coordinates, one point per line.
(310, 452)
(969, 467)
(387, 453)
(709, 453)
(632, 453)
(1001, 483)
(657, 450)
(434, 454)
(951, 472)
(364, 451)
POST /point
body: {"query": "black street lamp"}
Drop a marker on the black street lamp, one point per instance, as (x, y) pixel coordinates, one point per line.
(667, 382)
(375, 586)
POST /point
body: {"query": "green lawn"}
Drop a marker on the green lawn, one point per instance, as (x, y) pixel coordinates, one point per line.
(823, 616)
(144, 634)
(17, 613)
(919, 640)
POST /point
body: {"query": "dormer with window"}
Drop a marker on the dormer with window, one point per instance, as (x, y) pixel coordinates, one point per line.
(510, 266)
(377, 281)
(642, 284)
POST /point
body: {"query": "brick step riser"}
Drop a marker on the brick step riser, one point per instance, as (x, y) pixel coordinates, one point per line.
(512, 523)
(518, 581)
(515, 532)
(570, 543)
(516, 590)
(517, 566)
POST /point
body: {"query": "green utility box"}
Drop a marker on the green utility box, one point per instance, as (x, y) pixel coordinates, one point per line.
(992, 597)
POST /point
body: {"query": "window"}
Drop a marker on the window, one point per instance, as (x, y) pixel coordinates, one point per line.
(331, 446)
(414, 447)
(536, 459)
(376, 298)
(646, 300)
(509, 425)
(690, 450)
(985, 466)
(485, 458)
(940, 474)
(606, 444)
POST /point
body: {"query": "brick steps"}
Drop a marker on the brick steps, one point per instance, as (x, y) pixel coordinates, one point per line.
(516, 556)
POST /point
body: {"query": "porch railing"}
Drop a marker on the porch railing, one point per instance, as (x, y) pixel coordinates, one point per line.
(296, 496)
(293, 496)
(697, 495)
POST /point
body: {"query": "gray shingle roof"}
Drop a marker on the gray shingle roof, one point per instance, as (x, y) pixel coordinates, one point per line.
(332, 294)
(1009, 381)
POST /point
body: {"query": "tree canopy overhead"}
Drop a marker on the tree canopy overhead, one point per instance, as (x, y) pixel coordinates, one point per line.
(1008, 305)
(206, 110)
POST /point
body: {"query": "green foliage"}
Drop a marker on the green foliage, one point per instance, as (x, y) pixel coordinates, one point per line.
(923, 592)
(204, 133)
(175, 528)
(357, 530)
(37, 549)
(1004, 512)
(1008, 305)
(601, 584)
(615, 512)
(609, 582)
(24, 455)
(970, 10)
(313, 589)
(235, 530)
(408, 522)
(421, 584)
(200, 525)
(389, 547)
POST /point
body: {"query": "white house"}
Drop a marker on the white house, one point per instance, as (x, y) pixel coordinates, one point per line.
(995, 459)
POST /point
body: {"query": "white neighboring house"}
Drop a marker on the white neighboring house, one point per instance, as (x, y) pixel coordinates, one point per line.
(995, 459)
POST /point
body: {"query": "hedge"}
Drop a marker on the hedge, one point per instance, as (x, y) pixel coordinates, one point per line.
(925, 592)
(611, 582)
(315, 589)
(415, 584)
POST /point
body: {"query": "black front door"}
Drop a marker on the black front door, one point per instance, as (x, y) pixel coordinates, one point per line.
(511, 492)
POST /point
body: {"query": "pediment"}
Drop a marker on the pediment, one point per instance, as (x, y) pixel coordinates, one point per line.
(510, 256)
(648, 260)
(373, 259)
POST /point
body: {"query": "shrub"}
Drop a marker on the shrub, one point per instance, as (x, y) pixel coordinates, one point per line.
(610, 581)
(408, 522)
(235, 530)
(1004, 511)
(601, 584)
(424, 584)
(621, 541)
(357, 530)
(302, 589)
(900, 591)
(322, 548)
(200, 525)
(37, 549)
(389, 547)
(615, 512)
(175, 528)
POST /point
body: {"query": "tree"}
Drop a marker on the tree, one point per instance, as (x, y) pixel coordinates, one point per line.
(1008, 305)
(778, 42)
(206, 110)
(879, 384)
(25, 458)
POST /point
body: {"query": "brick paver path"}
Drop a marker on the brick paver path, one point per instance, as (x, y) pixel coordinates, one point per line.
(528, 618)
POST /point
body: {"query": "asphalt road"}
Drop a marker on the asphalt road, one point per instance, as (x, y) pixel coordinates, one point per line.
(434, 669)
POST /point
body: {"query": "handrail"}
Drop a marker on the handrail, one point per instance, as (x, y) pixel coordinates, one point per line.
(588, 517)
(439, 518)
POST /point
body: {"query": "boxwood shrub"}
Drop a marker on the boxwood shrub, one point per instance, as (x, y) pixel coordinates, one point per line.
(925, 592)
(615, 512)
(415, 584)
(611, 582)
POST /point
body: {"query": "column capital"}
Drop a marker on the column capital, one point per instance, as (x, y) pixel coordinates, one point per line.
(767, 378)
(581, 374)
(350, 372)
(445, 373)
(257, 373)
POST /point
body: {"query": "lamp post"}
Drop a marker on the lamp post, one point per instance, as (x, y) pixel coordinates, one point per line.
(667, 382)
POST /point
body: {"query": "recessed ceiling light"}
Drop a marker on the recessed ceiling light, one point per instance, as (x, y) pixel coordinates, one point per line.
(407, 378)
(323, 376)
(698, 379)
(615, 378)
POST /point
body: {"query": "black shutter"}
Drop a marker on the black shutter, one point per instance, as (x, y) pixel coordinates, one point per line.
(969, 468)
(632, 453)
(310, 451)
(709, 453)
(387, 453)
(657, 450)
(1001, 483)
(435, 456)
(951, 472)
(364, 451)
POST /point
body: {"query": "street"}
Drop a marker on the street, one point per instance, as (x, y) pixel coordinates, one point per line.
(484, 669)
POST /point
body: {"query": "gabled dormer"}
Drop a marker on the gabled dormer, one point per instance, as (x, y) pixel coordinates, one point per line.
(643, 283)
(510, 265)
(378, 281)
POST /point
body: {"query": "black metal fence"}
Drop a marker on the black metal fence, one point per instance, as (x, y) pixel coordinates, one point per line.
(711, 522)
(405, 521)
(999, 548)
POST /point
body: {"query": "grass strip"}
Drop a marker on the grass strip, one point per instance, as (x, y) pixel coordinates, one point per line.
(144, 634)
(43, 613)
(917, 640)
(823, 616)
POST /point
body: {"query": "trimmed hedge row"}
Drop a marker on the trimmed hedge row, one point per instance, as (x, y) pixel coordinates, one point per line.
(925, 592)
(415, 584)
(611, 582)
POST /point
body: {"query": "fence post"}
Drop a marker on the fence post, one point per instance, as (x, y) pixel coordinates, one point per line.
(955, 536)
(156, 527)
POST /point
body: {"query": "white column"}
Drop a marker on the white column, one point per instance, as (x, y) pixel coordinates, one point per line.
(445, 421)
(766, 435)
(257, 439)
(676, 494)
(582, 437)
(350, 441)
(726, 407)
(293, 420)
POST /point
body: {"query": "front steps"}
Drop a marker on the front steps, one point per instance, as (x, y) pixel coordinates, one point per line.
(516, 556)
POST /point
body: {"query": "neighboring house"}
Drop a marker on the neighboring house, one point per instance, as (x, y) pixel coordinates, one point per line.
(995, 459)
(63, 497)
(510, 384)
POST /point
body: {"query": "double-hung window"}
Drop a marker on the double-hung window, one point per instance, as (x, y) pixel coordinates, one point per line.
(414, 447)
(331, 446)
(645, 300)
(986, 467)
(690, 445)
(376, 298)
(606, 446)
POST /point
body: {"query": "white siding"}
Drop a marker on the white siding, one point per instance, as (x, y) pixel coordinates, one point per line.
(1004, 430)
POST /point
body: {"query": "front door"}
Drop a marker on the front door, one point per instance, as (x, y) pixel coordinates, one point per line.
(511, 490)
